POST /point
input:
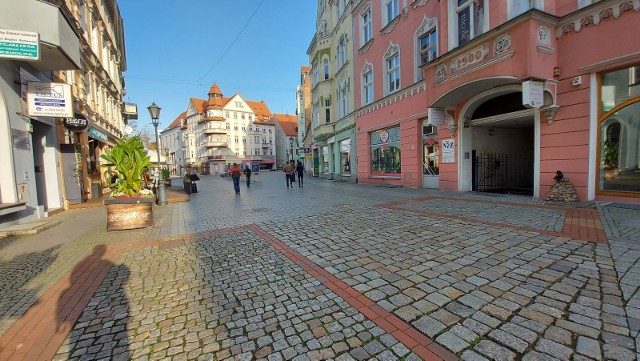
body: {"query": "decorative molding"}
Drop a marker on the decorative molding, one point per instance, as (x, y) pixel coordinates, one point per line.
(392, 50)
(594, 15)
(365, 47)
(469, 58)
(418, 3)
(366, 68)
(389, 27)
(544, 36)
(398, 96)
(427, 24)
(441, 71)
(501, 44)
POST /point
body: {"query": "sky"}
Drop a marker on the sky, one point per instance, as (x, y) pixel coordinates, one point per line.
(176, 49)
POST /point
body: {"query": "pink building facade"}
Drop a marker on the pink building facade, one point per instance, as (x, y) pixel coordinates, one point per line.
(525, 92)
(499, 96)
(392, 40)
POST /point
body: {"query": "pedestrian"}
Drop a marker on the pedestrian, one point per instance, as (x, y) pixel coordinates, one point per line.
(300, 171)
(293, 174)
(247, 173)
(235, 175)
(288, 171)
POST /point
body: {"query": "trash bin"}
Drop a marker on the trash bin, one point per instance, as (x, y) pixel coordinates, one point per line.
(187, 185)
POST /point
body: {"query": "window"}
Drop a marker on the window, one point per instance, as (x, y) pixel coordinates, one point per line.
(314, 74)
(345, 156)
(342, 51)
(389, 11)
(327, 111)
(426, 44)
(325, 68)
(392, 69)
(385, 151)
(618, 164)
(469, 19)
(367, 84)
(366, 33)
(343, 99)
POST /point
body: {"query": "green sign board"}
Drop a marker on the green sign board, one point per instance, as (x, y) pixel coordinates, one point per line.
(18, 44)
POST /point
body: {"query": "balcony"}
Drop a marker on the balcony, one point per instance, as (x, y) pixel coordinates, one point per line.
(323, 131)
(59, 44)
(266, 145)
(211, 119)
(215, 131)
(215, 144)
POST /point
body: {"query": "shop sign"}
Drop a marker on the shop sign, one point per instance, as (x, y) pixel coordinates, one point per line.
(97, 135)
(49, 100)
(435, 116)
(77, 124)
(18, 44)
(448, 151)
(533, 94)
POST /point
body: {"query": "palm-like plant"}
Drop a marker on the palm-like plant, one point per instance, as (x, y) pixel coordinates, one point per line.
(129, 160)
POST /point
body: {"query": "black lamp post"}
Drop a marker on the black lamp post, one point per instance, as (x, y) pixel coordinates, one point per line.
(154, 111)
(291, 146)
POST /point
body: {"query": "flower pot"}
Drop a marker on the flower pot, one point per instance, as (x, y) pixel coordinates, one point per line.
(129, 213)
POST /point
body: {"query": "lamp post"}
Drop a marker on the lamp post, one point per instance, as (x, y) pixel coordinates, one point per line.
(291, 146)
(154, 111)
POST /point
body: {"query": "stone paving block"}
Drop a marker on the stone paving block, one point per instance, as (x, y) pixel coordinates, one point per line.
(554, 349)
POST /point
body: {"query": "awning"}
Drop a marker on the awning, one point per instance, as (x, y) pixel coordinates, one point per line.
(267, 161)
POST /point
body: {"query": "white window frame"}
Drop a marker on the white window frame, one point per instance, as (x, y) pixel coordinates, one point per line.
(366, 95)
(325, 68)
(392, 52)
(343, 98)
(366, 27)
(428, 26)
(342, 51)
(514, 10)
(390, 11)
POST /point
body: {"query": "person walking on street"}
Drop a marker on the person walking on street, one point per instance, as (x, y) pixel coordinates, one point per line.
(300, 171)
(293, 174)
(288, 171)
(247, 173)
(235, 175)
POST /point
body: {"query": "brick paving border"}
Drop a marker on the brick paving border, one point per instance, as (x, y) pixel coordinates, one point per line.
(581, 224)
(41, 331)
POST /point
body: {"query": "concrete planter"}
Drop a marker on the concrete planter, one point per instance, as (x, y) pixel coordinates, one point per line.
(130, 213)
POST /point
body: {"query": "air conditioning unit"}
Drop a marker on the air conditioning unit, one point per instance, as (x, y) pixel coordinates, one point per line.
(429, 130)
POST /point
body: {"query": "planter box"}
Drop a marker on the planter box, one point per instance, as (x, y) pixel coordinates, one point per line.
(129, 213)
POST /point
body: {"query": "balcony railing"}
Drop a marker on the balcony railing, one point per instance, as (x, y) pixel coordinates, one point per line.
(211, 119)
(215, 131)
(215, 144)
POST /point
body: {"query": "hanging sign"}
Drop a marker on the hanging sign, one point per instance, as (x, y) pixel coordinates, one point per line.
(435, 116)
(533, 94)
(49, 100)
(18, 44)
(77, 124)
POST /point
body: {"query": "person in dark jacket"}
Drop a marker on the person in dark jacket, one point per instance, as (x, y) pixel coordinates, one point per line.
(247, 173)
(300, 171)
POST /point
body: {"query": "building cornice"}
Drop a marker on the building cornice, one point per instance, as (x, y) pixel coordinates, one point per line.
(594, 14)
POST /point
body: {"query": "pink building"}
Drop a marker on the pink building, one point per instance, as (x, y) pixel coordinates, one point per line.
(576, 68)
(499, 96)
(392, 40)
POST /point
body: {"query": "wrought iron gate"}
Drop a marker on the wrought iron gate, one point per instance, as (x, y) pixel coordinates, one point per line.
(502, 173)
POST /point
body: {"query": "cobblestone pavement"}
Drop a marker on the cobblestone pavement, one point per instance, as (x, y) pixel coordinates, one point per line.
(342, 271)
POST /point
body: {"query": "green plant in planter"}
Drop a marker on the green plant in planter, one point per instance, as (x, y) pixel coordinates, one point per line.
(165, 174)
(127, 161)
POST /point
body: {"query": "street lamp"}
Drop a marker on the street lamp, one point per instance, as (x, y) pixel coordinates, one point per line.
(291, 146)
(154, 111)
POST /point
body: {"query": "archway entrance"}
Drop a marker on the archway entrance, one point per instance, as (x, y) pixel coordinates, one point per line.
(501, 136)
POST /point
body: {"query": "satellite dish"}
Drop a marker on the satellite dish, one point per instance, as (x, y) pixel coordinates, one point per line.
(128, 130)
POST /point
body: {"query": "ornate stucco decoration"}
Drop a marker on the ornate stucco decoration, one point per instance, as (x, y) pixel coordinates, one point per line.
(441, 71)
(392, 50)
(595, 14)
(418, 3)
(544, 40)
(427, 24)
(393, 98)
(366, 47)
(502, 43)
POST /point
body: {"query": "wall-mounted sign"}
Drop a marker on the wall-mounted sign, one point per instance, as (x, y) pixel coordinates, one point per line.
(533, 94)
(97, 135)
(49, 100)
(18, 44)
(435, 116)
(77, 124)
(448, 151)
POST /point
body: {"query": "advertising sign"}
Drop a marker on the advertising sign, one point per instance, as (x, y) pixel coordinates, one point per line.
(533, 94)
(448, 151)
(435, 116)
(77, 124)
(18, 44)
(49, 100)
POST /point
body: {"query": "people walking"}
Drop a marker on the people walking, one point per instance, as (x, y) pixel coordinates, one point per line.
(300, 171)
(288, 171)
(247, 174)
(235, 175)
(293, 174)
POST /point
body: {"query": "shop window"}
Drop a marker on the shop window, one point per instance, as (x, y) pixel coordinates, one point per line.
(619, 150)
(385, 151)
(345, 156)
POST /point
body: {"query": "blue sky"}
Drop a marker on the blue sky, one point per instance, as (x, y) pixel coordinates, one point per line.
(173, 45)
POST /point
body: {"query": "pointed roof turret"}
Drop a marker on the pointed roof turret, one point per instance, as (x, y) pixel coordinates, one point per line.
(215, 98)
